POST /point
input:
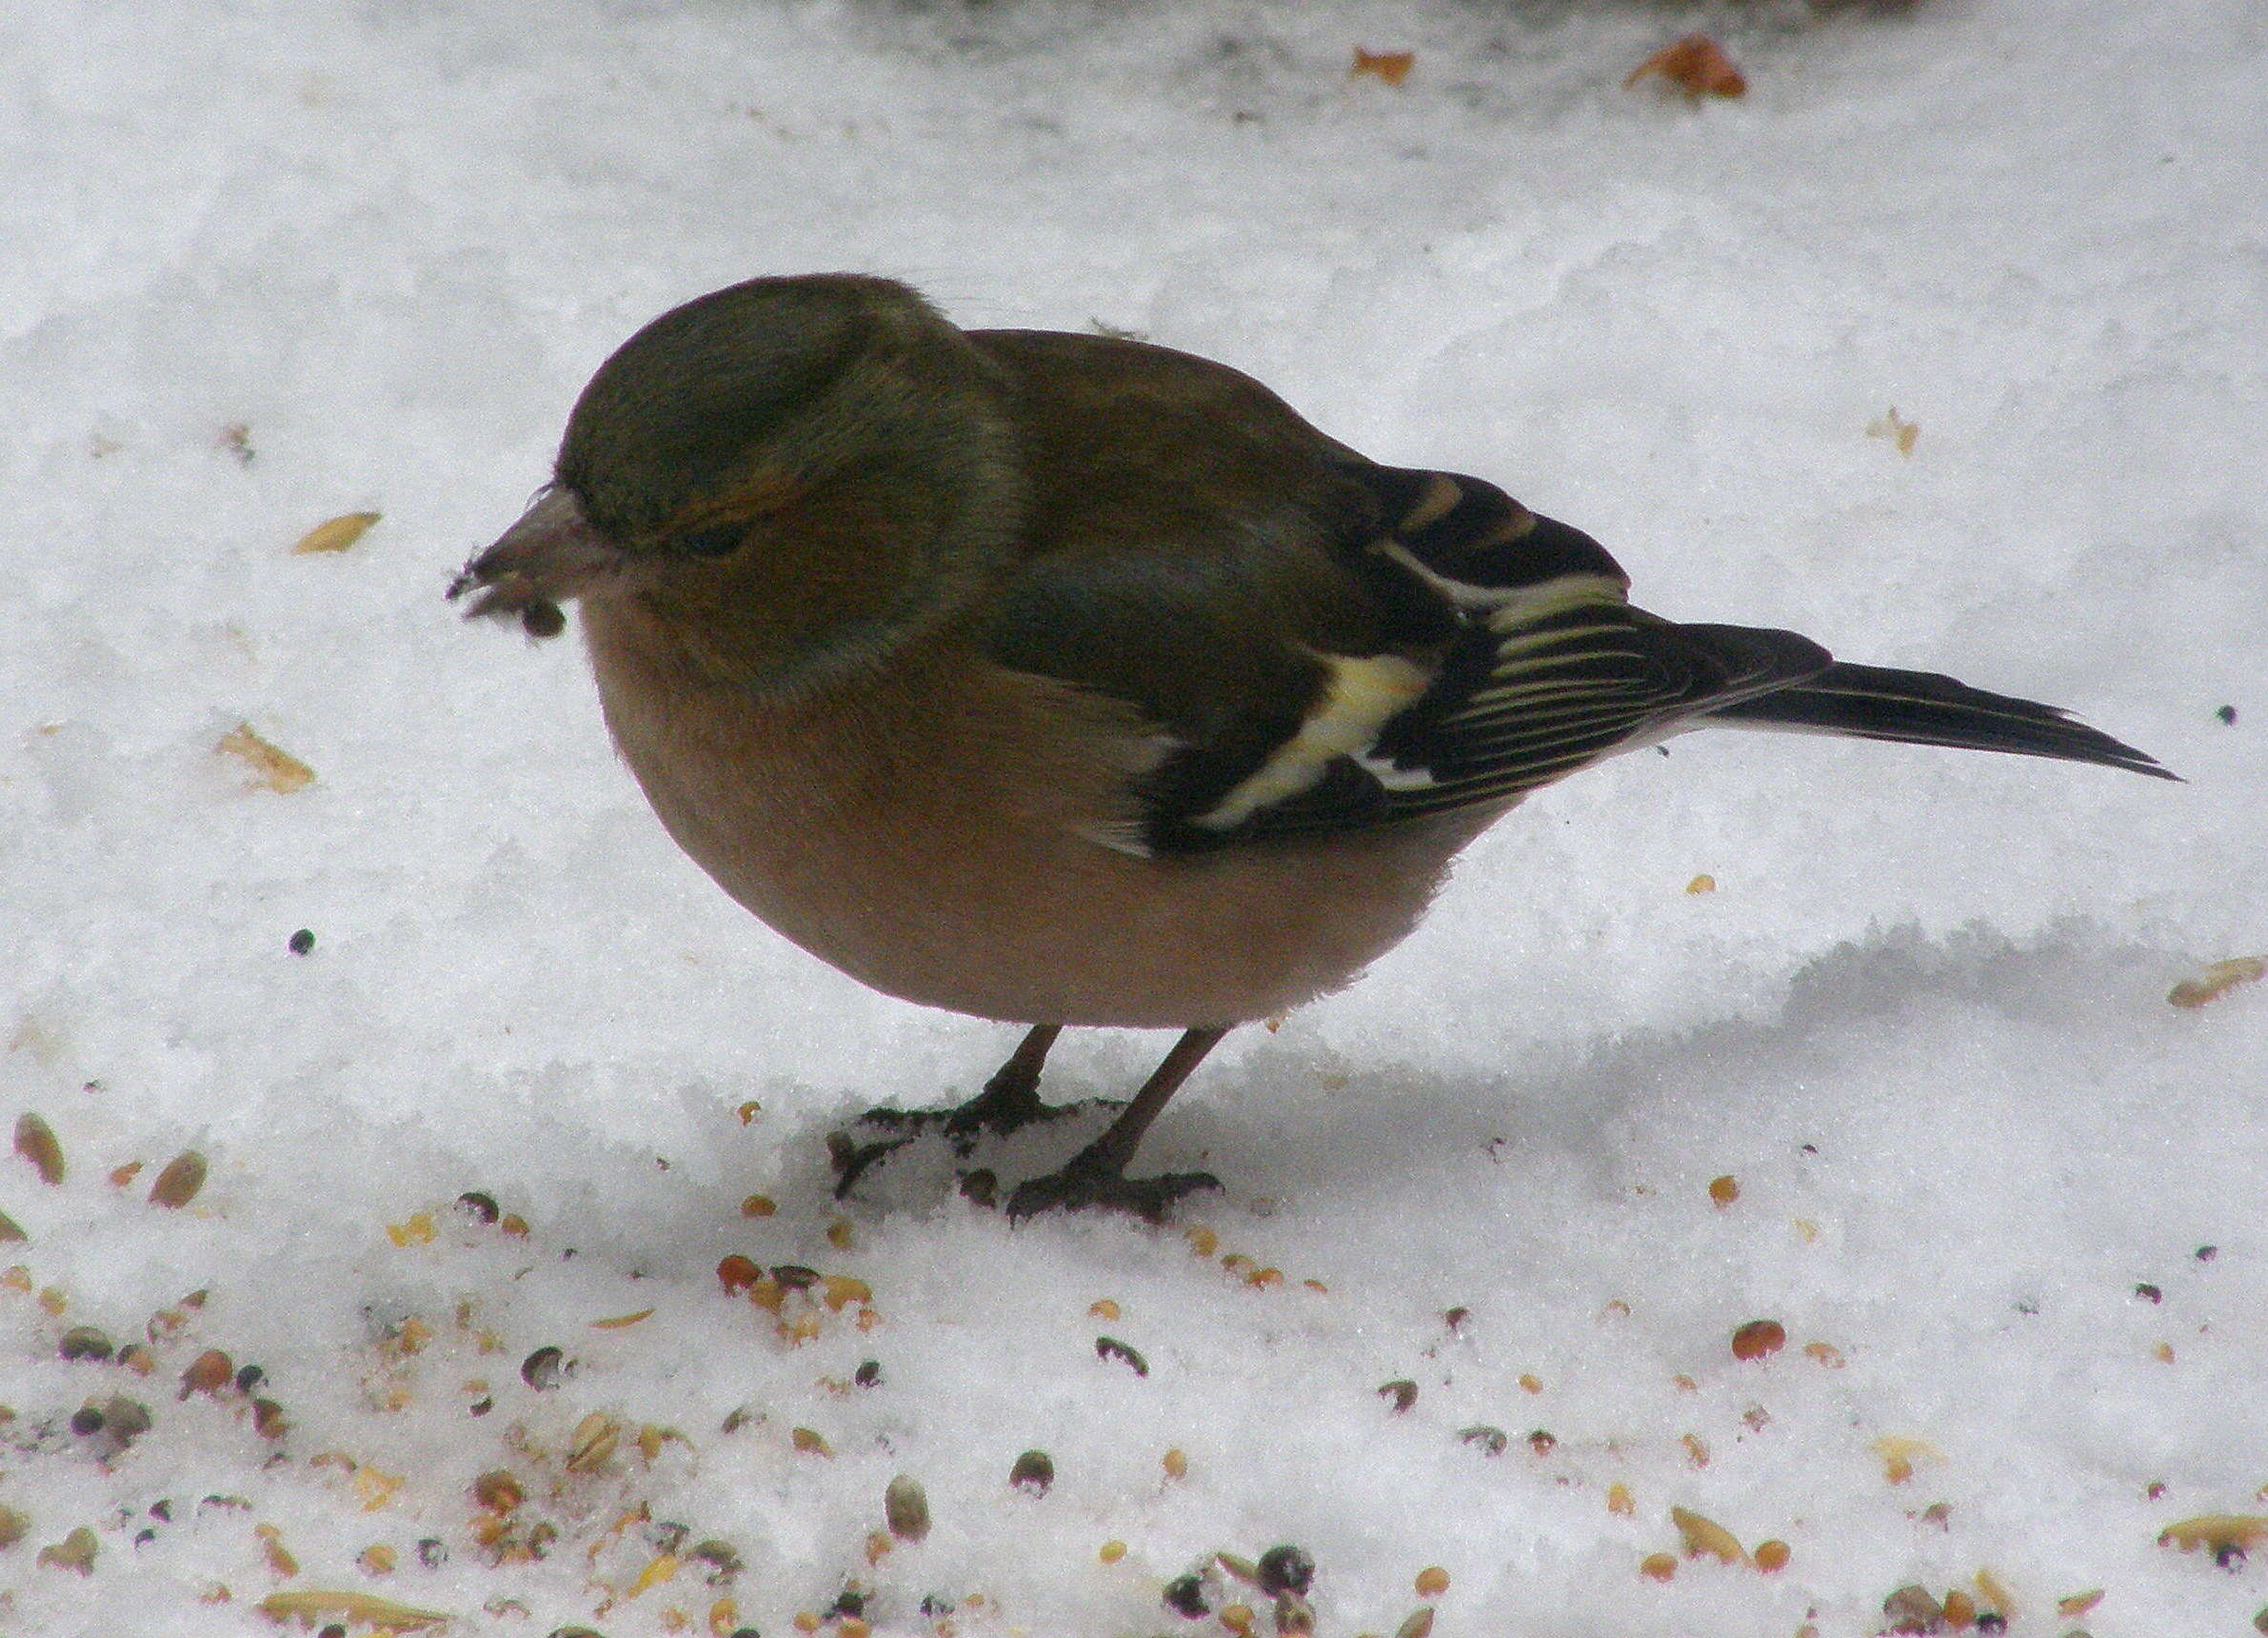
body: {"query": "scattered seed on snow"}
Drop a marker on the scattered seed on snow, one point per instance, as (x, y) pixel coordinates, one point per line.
(1034, 1470)
(178, 1184)
(85, 1342)
(542, 1368)
(35, 1141)
(906, 1506)
(1491, 1441)
(1111, 1348)
(1286, 1568)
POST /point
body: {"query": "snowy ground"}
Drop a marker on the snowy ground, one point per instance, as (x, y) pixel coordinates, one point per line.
(270, 264)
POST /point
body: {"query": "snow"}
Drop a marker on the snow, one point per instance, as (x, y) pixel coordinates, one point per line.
(1922, 1020)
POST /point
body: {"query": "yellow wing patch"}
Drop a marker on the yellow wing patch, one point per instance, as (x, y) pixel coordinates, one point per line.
(1362, 693)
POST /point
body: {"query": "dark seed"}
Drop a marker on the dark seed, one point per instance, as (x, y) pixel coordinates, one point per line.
(162, 1512)
(1286, 1568)
(795, 1276)
(1543, 1443)
(1491, 1440)
(1404, 1393)
(84, 1342)
(86, 1421)
(1111, 1348)
(126, 1418)
(302, 941)
(432, 1552)
(934, 1605)
(2227, 716)
(1455, 1318)
(851, 1601)
(1991, 1621)
(2229, 1556)
(542, 1368)
(249, 1378)
(2149, 1294)
(143, 1537)
(868, 1374)
(2206, 1253)
(479, 1206)
(1034, 1472)
(1184, 1596)
(724, 1564)
(336, 1630)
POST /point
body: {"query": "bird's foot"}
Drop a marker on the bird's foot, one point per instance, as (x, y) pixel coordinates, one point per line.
(1007, 1104)
(851, 1159)
(1089, 1181)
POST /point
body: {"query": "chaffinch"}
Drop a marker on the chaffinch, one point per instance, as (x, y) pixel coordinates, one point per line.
(1070, 680)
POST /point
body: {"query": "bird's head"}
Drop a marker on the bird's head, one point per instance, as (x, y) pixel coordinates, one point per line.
(789, 475)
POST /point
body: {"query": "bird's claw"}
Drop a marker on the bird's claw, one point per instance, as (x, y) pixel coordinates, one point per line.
(1083, 1184)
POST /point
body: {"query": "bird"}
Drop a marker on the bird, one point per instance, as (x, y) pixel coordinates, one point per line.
(1069, 680)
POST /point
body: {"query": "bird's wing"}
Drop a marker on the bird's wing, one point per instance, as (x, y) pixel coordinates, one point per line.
(1549, 668)
(1326, 644)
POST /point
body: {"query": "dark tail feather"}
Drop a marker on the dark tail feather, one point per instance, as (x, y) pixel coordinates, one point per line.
(1920, 708)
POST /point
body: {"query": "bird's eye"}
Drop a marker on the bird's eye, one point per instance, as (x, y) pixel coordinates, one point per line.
(721, 541)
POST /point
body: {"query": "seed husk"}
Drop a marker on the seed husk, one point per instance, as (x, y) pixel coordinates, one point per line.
(336, 534)
(542, 1368)
(1401, 1391)
(595, 1439)
(313, 1603)
(1111, 1348)
(1492, 1441)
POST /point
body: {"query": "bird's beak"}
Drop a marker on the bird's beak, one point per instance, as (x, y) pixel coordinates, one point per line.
(551, 555)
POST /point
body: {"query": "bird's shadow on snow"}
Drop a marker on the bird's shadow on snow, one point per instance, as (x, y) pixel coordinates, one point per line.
(1303, 1124)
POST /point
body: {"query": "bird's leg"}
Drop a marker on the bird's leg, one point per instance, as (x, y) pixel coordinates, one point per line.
(1010, 1099)
(1097, 1175)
